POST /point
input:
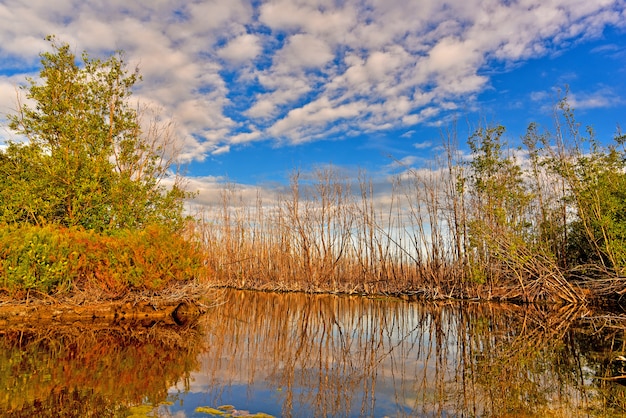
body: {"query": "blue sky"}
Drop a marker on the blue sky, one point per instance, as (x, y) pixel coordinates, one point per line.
(261, 88)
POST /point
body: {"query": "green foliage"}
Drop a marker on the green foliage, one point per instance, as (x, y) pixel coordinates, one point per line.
(595, 179)
(34, 259)
(599, 189)
(55, 259)
(86, 161)
(564, 208)
(82, 200)
(496, 179)
(498, 199)
(548, 214)
(229, 411)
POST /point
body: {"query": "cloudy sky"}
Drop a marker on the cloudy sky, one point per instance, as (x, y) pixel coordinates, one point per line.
(260, 88)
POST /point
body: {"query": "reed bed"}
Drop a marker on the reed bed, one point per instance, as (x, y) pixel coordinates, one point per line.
(334, 234)
(318, 236)
(498, 223)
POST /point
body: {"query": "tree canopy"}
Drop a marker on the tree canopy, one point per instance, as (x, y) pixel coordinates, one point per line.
(88, 159)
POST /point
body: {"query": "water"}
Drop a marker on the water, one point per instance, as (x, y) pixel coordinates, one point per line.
(323, 355)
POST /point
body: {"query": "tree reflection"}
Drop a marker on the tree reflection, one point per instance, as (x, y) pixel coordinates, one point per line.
(324, 355)
(354, 356)
(90, 369)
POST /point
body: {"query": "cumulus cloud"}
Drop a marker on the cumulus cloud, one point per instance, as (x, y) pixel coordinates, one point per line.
(304, 51)
(243, 48)
(328, 20)
(601, 98)
(318, 113)
(233, 71)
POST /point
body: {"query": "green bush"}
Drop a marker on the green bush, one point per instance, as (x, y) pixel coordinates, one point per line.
(57, 260)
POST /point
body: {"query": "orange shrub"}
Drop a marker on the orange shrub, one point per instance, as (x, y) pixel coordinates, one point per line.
(55, 259)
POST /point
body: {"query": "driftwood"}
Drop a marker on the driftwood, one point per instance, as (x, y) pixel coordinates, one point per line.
(178, 312)
(178, 305)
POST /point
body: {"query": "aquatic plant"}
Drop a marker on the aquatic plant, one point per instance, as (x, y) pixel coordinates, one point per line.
(230, 411)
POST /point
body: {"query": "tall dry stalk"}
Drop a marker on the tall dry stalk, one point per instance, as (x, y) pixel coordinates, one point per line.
(495, 225)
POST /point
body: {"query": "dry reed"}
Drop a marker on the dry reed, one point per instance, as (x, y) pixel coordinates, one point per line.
(494, 228)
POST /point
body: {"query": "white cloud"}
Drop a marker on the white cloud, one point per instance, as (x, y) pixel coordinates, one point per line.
(303, 69)
(317, 113)
(243, 48)
(262, 108)
(286, 88)
(304, 51)
(328, 20)
(453, 54)
(221, 150)
(602, 98)
(538, 96)
(8, 95)
(213, 191)
(215, 15)
(245, 137)
(422, 145)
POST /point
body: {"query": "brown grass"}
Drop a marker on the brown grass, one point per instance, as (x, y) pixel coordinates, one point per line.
(333, 234)
(428, 232)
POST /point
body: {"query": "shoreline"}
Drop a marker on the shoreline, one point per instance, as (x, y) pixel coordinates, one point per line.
(179, 305)
(183, 306)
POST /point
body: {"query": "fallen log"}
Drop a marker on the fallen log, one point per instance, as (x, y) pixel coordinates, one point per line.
(180, 312)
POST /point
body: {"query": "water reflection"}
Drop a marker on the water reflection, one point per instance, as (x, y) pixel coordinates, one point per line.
(322, 355)
(302, 355)
(91, 369)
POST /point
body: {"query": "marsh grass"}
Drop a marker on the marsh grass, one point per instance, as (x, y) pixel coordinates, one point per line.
(330, 233)
(500, 223)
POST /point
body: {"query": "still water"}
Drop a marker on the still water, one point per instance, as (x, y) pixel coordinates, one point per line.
(322, 355)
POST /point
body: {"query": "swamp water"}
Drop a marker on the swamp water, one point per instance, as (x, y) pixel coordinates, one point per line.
(322, 355)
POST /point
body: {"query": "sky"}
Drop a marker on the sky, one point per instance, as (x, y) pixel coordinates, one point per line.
(259, 89)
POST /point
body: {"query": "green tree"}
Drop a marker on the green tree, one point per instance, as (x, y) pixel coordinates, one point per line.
(509, 223)
(598, 188)
(87, 161)
(498, 199)
(594, 179)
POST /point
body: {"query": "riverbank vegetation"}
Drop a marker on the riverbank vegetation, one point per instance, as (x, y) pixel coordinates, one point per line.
(542, 222)
(84, 210)
(91, 203)
(56, 260)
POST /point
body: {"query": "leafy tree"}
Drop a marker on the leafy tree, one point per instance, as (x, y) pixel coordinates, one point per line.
(599, 190)
(549, 208)
(498, 198)
(87, 161)
(595, 179)
(496, 179)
